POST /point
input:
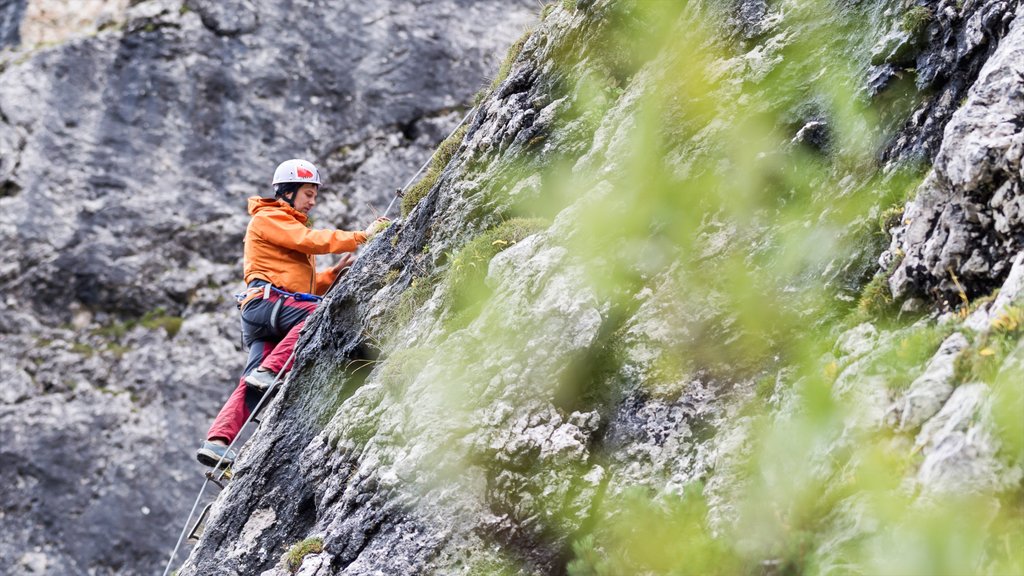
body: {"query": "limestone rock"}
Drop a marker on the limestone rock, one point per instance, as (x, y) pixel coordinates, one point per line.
(965, 219)
(128, 145)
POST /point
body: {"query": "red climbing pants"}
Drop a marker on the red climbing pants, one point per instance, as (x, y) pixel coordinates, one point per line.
(261, 329)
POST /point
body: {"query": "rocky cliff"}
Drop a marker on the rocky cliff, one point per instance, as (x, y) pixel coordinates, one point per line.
(129, 139)
(700, 288)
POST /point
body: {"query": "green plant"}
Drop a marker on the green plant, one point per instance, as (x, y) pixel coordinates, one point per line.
(298, 551)
(890, 217)
(663, 536)
(83, 349)
(412, 298)
(569, 5)
(465, 280)
(153, 320)
(159, 319)
(905, 358)
(876, 298)
(442, 156)
(982, 361)
(510, 58)
(916, 19)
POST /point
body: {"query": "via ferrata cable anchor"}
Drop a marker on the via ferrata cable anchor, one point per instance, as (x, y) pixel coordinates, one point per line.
(225, 474)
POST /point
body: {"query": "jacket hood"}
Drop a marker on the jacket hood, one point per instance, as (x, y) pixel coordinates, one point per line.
(257, 204)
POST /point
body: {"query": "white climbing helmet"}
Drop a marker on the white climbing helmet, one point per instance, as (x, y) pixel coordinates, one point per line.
(296, 170)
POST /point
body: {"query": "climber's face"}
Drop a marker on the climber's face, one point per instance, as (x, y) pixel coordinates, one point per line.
(305, 198)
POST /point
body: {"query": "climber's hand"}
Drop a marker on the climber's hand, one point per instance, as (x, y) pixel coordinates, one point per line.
(347, 260)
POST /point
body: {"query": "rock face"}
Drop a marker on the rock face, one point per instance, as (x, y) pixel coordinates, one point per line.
(964, 226)
(10, 20)
(613, 336)
(125, 159)
(420, 434)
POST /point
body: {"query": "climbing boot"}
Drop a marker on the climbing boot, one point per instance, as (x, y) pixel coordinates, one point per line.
(215, 455)
(260, 379)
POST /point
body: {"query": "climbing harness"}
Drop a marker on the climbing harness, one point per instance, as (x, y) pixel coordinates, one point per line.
(266, 289)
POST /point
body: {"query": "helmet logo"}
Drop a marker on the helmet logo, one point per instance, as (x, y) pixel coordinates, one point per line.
(303, 172)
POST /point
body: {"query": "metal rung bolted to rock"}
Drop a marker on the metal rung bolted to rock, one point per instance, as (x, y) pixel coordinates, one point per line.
(200, 526)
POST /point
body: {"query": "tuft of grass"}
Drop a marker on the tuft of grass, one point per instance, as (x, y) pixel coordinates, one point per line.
(916, 20)
(442, 156)
(414, 296)
(82, 349)
(510, 58)
(890, 218)
(983, 360)
(906, 359)
(569, 5)
(446, 150)
(298, 551)
(876, 299)
(1009, 322)
(153, 320)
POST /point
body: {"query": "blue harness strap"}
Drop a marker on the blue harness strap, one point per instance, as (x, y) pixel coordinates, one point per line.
(266, 288)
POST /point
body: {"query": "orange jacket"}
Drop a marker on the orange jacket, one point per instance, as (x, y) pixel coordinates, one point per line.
(279, 248)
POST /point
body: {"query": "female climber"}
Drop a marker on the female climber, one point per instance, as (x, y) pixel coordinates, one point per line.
(282, 286)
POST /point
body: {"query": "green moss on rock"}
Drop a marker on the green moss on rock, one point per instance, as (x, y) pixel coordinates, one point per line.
(442, 156)
(876, 299)
(915, 20)
(466, 288)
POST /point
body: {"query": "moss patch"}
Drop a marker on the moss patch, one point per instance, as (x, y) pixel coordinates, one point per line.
(159, 319)
(442, 156)
(510, 58)
(466, 288)
(153, 320)
(915, 20)
(414, 296)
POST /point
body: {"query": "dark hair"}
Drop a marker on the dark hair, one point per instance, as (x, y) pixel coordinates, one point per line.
(285, 188)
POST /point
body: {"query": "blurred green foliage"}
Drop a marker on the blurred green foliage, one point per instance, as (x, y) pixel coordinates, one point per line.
(714, 188)
(732, 174)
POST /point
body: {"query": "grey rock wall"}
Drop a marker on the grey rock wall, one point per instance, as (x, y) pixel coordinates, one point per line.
(967, 217)
(11, 13)
(457, 452)
(414, 439)
(125, 160)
